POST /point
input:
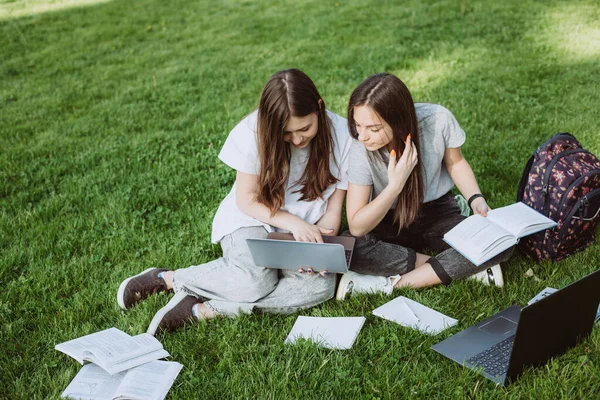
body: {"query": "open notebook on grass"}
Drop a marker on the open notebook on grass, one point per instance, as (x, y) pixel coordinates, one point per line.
(114, 350)
(411, 314)
(150, 381)
(481, 238)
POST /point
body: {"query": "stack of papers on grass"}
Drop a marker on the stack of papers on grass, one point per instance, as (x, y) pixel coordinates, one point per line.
(411, 314)
(150, 381)
(329, 332)
(114, 350)
(124, 367)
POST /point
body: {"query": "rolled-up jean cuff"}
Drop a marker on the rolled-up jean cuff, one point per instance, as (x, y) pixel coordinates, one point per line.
(412, 260)
(439, 271)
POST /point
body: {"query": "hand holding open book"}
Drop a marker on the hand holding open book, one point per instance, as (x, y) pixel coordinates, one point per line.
(481, 238)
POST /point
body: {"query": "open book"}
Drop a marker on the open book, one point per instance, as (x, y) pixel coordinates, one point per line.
(150, 381)
(481, 238)
(114, 350)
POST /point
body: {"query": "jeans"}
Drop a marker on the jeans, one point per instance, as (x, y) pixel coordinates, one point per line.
(232, 284)
(387, 252)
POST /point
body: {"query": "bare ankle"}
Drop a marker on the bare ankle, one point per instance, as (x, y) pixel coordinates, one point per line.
(168, 278)
(202, 312)
(419, 278)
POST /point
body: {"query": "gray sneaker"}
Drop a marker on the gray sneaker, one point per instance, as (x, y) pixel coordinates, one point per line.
(139, 287)
(175, 314)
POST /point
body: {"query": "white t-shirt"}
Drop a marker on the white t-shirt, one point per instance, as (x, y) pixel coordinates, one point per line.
(240, 152)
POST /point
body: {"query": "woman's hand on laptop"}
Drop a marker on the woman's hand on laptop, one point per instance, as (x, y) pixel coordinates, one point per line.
(310, 271)
(305, 232)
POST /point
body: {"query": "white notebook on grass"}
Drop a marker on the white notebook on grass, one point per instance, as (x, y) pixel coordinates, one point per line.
(329, 332)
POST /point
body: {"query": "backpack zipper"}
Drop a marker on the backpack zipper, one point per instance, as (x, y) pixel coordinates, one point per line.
(551, 164)
(575, 183)
(574, 210)
(560, 135)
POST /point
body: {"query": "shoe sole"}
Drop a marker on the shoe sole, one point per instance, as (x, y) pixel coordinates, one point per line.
(340, 294)
(122, 287)
(160, 314)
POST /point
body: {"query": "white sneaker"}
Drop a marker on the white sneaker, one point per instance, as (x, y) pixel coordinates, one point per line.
(353, 283)
(490, 276)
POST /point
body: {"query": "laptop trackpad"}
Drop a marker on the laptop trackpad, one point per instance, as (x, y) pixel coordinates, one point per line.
(499, 326)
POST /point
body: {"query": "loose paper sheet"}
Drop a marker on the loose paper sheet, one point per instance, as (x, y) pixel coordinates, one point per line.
(412, 314)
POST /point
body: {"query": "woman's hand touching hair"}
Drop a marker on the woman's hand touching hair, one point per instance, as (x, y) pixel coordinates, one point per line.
(399, 171)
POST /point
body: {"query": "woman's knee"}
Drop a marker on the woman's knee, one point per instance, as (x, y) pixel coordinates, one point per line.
(251, 287)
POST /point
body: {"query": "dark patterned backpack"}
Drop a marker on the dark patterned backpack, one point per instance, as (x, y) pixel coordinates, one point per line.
(562, 181)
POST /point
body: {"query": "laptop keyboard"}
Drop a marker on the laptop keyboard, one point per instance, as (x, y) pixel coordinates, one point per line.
(494, 360)
(348, 256)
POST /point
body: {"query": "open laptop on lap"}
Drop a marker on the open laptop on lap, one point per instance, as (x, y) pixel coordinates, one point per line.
(282, 251)
(502, 346)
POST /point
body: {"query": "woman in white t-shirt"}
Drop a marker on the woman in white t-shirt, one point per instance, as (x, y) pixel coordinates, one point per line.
(290, 161)
(401, 170)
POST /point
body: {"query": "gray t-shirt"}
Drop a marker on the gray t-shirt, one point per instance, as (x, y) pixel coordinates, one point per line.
(438, 131)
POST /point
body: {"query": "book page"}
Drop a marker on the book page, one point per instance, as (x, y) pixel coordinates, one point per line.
(150, 381)
(329, 332)
(122, 350)
(519, 219)
(93, 383)
(134, 362)
(77, 348)
(476, 237)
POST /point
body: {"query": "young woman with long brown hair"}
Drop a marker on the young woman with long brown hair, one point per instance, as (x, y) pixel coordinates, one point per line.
(290, 161)
(401, 170)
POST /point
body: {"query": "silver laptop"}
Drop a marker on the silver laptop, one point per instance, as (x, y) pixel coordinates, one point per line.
(282, 251)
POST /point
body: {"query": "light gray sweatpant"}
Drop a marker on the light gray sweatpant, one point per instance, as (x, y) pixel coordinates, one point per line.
(232, 284)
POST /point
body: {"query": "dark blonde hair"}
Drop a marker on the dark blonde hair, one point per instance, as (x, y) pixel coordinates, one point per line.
(291, 93)
(389, 97)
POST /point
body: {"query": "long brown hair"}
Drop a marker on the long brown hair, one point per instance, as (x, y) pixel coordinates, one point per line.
(291, 93)
(389, 97)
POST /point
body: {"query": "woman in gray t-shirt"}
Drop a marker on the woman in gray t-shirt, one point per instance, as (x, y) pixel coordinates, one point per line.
(401, 170)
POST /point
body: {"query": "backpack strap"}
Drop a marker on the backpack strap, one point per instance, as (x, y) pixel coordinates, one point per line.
(524, 179)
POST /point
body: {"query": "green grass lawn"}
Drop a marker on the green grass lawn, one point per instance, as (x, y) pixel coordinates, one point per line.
(111, 119)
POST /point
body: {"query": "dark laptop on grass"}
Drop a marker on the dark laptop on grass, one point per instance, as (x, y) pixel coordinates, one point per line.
(502, 346)
(282, 251)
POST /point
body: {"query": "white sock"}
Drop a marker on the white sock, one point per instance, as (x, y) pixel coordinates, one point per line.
(195, 311)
